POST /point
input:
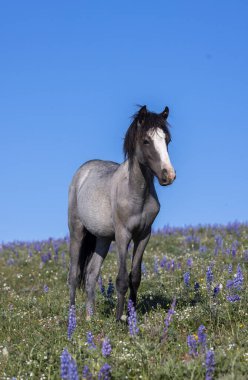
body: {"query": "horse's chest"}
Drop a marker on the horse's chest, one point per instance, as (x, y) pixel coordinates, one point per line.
(143, 218)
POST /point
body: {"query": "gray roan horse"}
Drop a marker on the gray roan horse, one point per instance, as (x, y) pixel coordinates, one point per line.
(110, 201)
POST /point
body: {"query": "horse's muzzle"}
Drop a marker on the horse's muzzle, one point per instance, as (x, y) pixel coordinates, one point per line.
(167, 177)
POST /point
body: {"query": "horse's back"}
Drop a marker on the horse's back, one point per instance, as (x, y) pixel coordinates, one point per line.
(90, 196)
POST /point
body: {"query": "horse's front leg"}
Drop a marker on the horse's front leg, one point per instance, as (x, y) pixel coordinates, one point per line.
(122, 238)
(135, 274)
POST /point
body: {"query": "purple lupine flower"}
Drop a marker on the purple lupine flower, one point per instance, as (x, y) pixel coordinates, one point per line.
(155, 266)
(209, 277)
(143, 268)
(216, 290)
(234, 248)
(132, 319)
(56, 252)
(10, 262)
(64, 364)
(186, 278)
(101, 286)
(111, 288)
(196, 286)
(192, 344)
(219, 244)
(106, 347)
(168, 317)
(230, 268)
(227, 251)
(72, 322)
(72, 371)
(37, 247)
(210, 363)
(163, 262)
(203, 249)
(229, 284)
(104, 373)
(87, 374)
(45, 257)
(190, 262)
(90, 340)
(239, 279)
(45, 288)
(202, 337)
(237, 284)
(233, 298)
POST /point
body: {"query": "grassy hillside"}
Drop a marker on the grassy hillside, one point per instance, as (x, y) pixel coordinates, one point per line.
(203, 269)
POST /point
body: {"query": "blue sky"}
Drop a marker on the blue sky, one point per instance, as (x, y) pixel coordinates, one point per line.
(71, 74)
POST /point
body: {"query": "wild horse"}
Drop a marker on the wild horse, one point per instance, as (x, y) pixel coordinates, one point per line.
(110, 201)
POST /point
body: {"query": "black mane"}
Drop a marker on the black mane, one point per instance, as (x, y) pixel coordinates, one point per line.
(150, 120)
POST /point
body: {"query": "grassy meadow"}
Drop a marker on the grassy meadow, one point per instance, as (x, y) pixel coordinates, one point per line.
(203, 269)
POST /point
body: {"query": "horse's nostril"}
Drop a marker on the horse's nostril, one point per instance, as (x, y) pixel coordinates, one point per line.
(164, 173)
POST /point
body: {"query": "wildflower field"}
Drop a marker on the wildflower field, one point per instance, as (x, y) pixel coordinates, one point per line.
(190, 321)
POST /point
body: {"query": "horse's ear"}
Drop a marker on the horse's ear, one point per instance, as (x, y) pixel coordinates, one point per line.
(165, 112)
(141, 115)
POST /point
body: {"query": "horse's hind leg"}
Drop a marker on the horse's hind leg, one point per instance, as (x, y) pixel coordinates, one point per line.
(76, 237)
(135, 274)
(92, 273)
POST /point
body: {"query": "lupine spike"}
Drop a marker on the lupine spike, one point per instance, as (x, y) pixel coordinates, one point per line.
(192, 344)
(86, 373)
(106, 347)
(90, 340)
(64, 364)
(104, 373)
(132, 319)
(202, 338)
(168, 318)
(210, 364)
(209, 277)
(186, 278)
(72, 322)
(68, 366)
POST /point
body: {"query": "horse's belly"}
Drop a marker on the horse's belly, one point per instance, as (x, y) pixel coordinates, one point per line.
(94, 210)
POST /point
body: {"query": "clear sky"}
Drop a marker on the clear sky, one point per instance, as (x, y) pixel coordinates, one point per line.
(71, 73)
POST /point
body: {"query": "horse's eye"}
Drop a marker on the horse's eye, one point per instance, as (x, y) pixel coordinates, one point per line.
(146, 142)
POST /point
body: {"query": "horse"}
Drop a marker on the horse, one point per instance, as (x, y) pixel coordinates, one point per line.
(118, 202)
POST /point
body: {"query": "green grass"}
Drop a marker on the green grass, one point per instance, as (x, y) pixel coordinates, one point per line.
(33, 324)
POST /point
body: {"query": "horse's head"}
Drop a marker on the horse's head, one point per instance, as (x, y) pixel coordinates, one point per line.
(150, 137)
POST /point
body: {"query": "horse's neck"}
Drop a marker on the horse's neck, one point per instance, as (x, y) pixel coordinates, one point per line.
(139, 178)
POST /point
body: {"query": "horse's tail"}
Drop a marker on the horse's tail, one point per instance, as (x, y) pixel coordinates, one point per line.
(86, 251)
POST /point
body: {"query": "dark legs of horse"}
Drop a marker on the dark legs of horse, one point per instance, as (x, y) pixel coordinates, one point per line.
(122, 281)
(76, 239)
(135, 274)
(92, 273)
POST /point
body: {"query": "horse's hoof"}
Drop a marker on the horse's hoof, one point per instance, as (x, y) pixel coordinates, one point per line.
(122, 319)
(88, 318)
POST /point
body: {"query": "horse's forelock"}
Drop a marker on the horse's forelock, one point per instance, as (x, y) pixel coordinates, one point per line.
(135, 133)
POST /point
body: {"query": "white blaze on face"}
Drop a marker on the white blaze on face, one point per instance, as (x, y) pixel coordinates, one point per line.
(158, 138)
